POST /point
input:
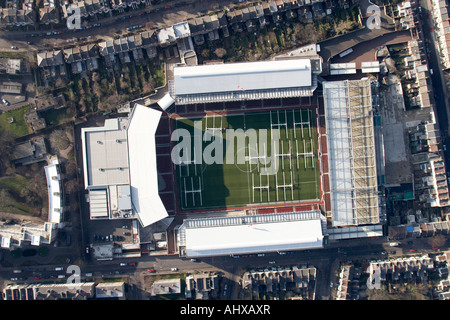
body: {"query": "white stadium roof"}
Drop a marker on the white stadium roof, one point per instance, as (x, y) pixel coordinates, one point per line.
(242, 76)
(143, 171)
(251, 234)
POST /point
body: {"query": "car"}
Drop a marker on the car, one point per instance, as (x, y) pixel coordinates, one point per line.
(261, 254)
(272, 262)
(14, 48)
(412, 250)
(29, 42)
(37, 278)
(281, 253)
(151, 270)
(123, 264)
(127, 234)
(393, 252)
(132, 264)
(174, 269)
(58, 268)
(125, 227)
(14, 279)
(194, 260)
(87, 250)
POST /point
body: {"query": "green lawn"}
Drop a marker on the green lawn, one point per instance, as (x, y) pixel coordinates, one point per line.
(13, 184)
(224, 183)
(18, 127)
(9, 203)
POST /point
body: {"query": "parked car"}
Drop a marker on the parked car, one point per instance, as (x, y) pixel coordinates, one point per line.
(174, 269)
(123, 264)
(14, 48)
(151, 270)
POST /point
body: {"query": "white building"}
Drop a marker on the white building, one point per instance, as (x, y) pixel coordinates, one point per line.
(120, 168)
(245, 81)
(251, 234)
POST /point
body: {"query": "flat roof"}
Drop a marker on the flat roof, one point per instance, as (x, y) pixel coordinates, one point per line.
(98, 203)
(242, 76)
(105, 154)
(143, 167)
(54, 192)
(251, 234)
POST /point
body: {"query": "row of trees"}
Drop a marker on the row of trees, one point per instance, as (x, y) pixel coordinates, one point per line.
(272, 40)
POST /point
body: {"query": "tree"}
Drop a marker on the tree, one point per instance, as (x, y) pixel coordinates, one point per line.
(220, 52)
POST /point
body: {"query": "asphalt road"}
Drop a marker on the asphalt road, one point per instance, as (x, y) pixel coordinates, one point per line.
(322, 259)
(113, 25)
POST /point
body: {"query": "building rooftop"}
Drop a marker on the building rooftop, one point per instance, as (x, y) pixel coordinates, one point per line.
(249, 234)
(242, 76)
(105, 154)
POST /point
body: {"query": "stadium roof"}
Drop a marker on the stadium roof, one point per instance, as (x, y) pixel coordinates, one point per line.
(251, 234)
(143, 171)
(105, 154)
(242, 76)
(166, 102)
(351, 149)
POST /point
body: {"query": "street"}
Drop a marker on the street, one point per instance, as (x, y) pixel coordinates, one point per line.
(326, 261)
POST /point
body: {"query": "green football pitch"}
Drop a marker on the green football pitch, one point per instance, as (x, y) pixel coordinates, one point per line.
(246, 159)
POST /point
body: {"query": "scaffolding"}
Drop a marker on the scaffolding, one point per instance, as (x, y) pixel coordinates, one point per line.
(352, 159)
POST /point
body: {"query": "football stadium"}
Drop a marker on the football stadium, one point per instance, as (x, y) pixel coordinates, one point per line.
(255, 157)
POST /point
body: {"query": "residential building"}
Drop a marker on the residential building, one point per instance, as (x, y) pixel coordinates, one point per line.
(82, 59)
